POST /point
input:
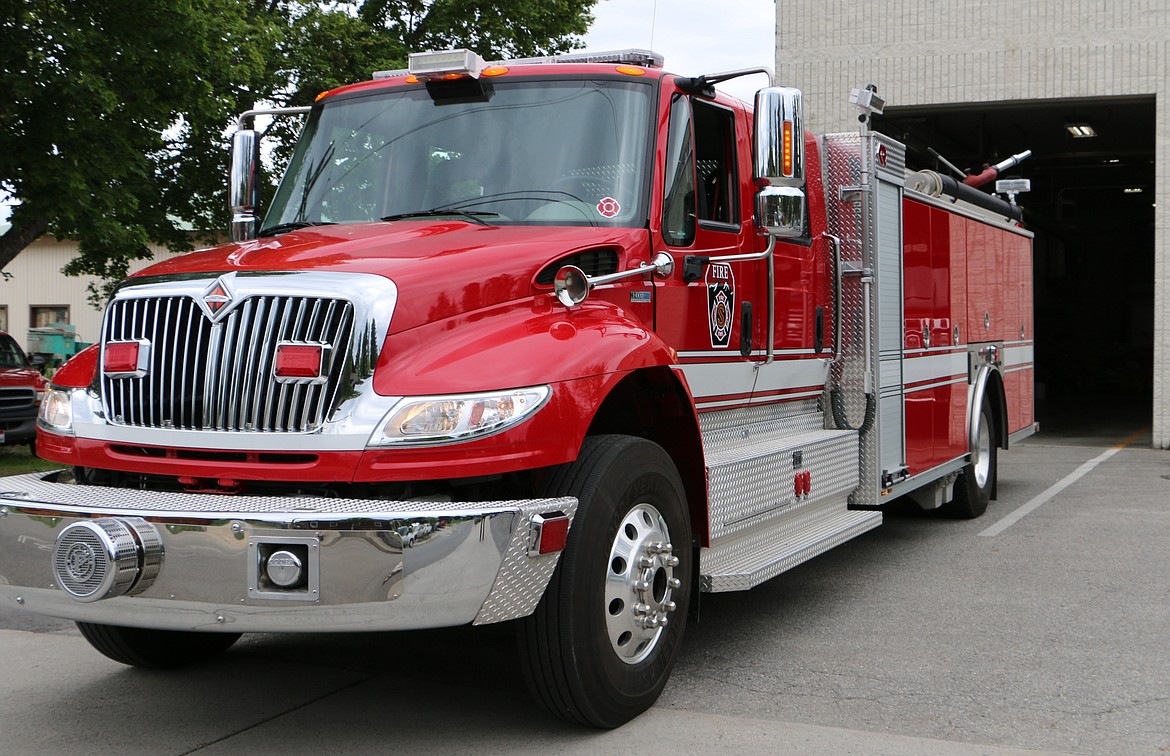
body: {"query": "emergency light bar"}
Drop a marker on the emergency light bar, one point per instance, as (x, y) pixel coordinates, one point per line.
(628, 57)
(446, 63)
(449, 63)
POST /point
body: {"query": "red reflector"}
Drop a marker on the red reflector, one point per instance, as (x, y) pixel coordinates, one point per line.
(298, 361)
(121, 357)
(806, 481)
(553, 534)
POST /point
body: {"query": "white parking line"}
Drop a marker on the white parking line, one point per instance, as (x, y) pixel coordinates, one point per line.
(1056, 488)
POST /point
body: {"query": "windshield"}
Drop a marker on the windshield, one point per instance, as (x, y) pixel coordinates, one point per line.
(527, 152)
(10, 354)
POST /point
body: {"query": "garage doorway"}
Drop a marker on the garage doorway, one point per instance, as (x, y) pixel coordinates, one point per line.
(1092, 208)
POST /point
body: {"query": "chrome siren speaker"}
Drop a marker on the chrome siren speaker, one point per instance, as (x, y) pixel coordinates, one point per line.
(107, 557)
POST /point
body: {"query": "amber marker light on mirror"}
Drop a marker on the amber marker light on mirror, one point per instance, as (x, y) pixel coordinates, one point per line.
(786, 158)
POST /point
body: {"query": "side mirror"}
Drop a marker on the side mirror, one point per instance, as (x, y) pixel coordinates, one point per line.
(243, 184)
(778, 161)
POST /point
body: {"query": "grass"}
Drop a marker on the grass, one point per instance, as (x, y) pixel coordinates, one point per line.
(16, 459)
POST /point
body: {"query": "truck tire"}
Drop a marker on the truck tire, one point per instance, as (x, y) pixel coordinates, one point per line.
(600, 646)
(977, 480)
(155, 649)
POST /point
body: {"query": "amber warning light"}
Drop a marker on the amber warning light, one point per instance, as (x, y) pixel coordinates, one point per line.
(786, 160)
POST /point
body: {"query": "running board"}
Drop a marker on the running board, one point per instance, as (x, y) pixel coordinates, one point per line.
(752, 557)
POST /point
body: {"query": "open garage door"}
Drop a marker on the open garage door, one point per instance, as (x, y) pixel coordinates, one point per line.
(1092, 208)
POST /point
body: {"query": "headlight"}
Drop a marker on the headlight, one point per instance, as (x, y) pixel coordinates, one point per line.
(439, 419)
(56, 412)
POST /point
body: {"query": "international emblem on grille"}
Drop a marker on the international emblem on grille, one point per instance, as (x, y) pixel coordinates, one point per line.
(217, 298)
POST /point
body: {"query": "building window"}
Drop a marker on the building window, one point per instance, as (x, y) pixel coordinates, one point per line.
(3, 317)
(41, 316)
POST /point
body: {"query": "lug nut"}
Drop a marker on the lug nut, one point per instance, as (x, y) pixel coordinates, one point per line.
(670, 606)
(673, 583)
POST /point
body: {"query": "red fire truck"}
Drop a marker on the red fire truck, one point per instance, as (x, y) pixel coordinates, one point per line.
(560, 341)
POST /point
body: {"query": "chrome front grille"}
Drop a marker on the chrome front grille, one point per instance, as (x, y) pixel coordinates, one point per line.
(16, 398)
(205, 376)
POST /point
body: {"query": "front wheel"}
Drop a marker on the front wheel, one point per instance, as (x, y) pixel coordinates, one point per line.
(155, 649)
(600, 646)
(976, 481)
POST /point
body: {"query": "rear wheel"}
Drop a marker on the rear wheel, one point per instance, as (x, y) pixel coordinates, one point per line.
(600, 646)
(155, 649)
(975, 483)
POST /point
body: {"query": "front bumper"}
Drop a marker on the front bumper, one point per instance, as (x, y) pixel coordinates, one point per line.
(372, 564)
(18, 430)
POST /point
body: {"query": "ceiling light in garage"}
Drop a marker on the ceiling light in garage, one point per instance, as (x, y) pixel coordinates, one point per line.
(1080, 130)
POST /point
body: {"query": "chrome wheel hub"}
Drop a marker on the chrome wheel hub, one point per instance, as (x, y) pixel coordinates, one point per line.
(640, 581)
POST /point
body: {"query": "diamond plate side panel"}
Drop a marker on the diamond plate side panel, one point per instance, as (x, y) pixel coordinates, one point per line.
(842, 156)
(724, 431)
(757, 487)
(522, 579)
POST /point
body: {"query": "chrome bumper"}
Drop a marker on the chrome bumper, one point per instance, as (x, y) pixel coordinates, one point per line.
(456, 562)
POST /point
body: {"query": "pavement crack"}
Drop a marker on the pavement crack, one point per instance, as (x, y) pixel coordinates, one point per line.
(278, 715)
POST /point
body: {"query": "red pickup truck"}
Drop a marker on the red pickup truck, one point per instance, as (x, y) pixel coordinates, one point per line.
(21, 389)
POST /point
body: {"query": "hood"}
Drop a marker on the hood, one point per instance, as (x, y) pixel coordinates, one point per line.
(441, 268)
(21, 377)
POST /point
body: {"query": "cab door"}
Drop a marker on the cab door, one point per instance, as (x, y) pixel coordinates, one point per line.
(710, 312)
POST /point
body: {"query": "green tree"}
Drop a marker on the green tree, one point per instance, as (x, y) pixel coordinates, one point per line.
(108, 102)
(117, 127)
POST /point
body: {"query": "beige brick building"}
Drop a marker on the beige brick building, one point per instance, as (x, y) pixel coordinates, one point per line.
(992, 77)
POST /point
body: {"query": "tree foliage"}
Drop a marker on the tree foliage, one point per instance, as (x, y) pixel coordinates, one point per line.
(118, 122)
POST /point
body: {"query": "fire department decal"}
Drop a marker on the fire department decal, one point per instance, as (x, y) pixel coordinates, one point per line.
(720, 302)
(608, 207)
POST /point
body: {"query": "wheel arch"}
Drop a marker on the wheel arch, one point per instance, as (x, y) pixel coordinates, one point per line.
(989, 387)
(653, 403)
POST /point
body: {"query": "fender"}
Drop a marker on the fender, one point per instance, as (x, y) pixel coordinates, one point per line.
(988, 385)
(520, 343)
(81, 369)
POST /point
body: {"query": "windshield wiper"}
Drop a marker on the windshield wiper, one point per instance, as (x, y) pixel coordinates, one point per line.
(281, 228)
(475, 216)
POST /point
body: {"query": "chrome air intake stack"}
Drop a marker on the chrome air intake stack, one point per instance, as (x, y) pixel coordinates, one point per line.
(107, 557)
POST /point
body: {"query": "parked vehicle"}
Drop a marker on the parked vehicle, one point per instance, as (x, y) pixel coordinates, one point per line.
(21, 388)
(628, 338)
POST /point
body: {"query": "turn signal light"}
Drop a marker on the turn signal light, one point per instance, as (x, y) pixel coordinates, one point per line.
(786, 162)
